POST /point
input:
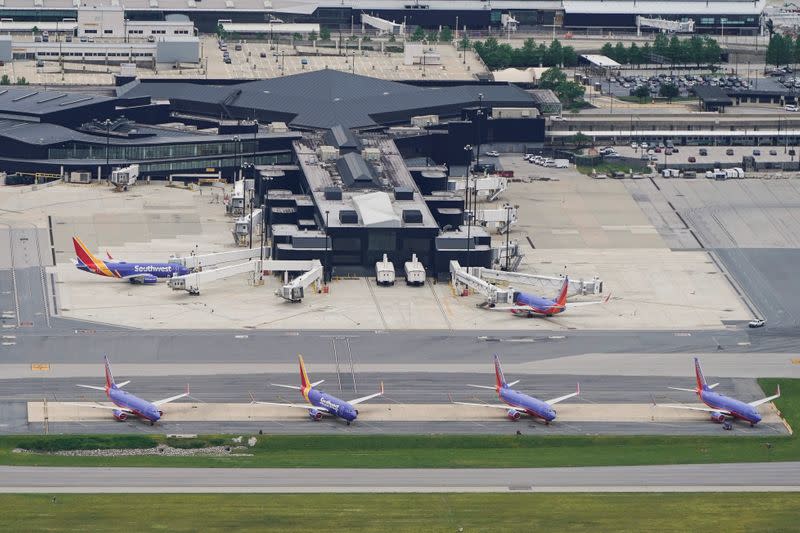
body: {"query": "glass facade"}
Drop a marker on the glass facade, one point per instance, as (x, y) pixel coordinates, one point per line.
(169, 166)
(78, 150)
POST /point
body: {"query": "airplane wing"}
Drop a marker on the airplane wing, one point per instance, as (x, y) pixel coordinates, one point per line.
(369, 397)
(172, 398)
(767, 399)
(95, 387)
(691, 408)
(296, 406)
(495, 405)
(582, 304)
(100, 406)
(565, 397)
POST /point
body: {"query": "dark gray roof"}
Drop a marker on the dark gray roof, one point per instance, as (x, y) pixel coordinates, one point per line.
(354, 170)
(36, 102)
(323, 99)
(712, 95)
(342, 138)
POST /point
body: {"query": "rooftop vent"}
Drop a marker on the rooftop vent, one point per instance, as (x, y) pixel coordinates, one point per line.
(348, 216)
(412, 216)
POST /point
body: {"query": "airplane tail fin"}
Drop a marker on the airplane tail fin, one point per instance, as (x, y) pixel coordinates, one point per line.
(86, 257)
(498, 372)
(305, 383)
(109, 376)
(701, 379)
(561, 301)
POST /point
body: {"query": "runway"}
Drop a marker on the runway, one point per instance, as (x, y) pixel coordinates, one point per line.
(744, 477)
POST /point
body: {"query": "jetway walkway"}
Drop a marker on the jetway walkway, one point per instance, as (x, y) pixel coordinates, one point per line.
(193, 281)
(478, 279)
(199, 262)
(670, 26)
(489, 186)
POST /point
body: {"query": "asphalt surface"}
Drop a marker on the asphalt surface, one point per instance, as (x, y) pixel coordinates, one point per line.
(663, 478)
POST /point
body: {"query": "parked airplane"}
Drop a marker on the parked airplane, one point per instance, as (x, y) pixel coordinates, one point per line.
(126, 403)
(530, 305)
(145, 273)
(517, 402)
(720, 406)
(321, 403)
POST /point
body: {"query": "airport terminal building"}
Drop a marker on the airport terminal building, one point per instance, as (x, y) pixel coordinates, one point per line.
(327, 150)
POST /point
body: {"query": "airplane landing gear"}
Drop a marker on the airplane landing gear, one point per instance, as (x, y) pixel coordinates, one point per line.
(348, 422)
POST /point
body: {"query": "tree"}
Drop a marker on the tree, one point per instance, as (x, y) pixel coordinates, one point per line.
(313, 36)
(324, 34)
(433, 36)
(621, 54)
(780, 50)
(580, 140)
(676, 51)
(35, 30)
(661, 47)
(493, 54)
(695, 49)
(555, 54)
(569, 56)
(642, 92)
(570, 92)
(446, 35)
(296, 36)
(608, 51)
(464, 43)
(711, 51)
(647, 52)
(635, 56)
(5, 80)
(668, 91)
(22, 81)
(418, 34)
(221, 33)
(552, 78)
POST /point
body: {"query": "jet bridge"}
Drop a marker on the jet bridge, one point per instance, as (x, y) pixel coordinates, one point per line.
(543, 283)
(191, 282)
(499, 220)
(294, 291)
(242, 227)
(490, 187)
(461, 278)
(666, 26)
(199, 262)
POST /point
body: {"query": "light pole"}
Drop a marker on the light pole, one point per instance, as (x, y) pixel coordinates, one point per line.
(108, 139)
(508, 236)
(469, 235)
(468, 148)
(480, 116)
(235, 157)
(252, 198)
(325, 268)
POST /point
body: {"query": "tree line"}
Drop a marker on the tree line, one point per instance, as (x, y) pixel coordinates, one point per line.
(696, 49)
(499, 56)
(782, 50)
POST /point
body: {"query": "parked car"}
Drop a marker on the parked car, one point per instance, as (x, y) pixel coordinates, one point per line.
(692, 159)
(757, 323)
(703, 151)
(634, 145)
(792, 152)
(792, 108)
(493, 153)
(773, 152)
(263, 54)
(729, 151)
(755, 152)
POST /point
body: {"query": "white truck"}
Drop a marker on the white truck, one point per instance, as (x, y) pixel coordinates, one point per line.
(415, 272)
(122, 178)
(384, 271)
(561, 163)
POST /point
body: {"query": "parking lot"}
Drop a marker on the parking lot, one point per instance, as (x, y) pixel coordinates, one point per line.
(721, 154)
(625, 85)
(262, 60)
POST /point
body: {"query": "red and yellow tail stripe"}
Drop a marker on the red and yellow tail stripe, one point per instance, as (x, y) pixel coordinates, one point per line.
(96, 265)
(305, 383)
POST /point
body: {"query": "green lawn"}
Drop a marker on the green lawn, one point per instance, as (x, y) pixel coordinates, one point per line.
(442, 451)
(609, 168)
(401, 512)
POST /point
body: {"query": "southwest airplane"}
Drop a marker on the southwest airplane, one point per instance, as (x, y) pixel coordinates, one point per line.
(517, 402)
(321, 403)
(529, 305)
(126, 403)
(145, 273)
(720, 406)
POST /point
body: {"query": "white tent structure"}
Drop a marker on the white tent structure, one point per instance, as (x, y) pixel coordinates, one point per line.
(376, 211)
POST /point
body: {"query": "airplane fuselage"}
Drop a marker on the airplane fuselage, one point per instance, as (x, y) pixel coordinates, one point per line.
(141, 408)
(331, 404)
(527, 404)
(122, 269)
(737, 408)
(537, 306)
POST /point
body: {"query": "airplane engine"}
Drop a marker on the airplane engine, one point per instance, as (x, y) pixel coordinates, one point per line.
(717, 417)
(148, 279)
(122, 416)
(315, 414)
(513, 414)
